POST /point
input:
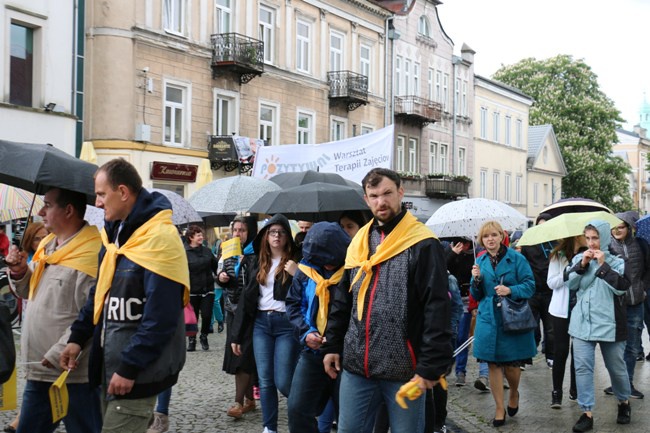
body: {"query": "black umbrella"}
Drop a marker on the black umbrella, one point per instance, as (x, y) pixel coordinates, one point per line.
(574, 204)
(38, 167)
(217, 219)
(315, 201)
(289, 180)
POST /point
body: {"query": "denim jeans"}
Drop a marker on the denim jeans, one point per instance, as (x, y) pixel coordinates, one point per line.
(359, 399)
(276, 353)
(584, 359)
(463, 335)
(634, 330)
(311, 389)
(163, 401)
(327, 417)
(84, 410)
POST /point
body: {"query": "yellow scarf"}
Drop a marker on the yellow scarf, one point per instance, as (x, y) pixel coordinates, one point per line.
(80, 254)
(321, 291)
(407, 233)
(155, 246)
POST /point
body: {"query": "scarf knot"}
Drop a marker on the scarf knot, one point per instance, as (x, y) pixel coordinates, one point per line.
(322, 292)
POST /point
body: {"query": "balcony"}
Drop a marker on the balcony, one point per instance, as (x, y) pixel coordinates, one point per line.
(446, 188)
(348, 88)
(237, 54)
(417, 111)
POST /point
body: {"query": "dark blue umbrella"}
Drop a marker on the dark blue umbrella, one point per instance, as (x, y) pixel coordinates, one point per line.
(643, 228)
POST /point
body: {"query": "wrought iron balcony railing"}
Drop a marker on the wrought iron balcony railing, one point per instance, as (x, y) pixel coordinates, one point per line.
(349, 87)
(414, 109)
(446, 188)
(240, 54)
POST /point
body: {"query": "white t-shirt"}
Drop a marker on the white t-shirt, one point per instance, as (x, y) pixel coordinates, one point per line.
(266, 301)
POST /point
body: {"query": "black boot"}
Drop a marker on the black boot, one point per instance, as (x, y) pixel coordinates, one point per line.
(204, 341)
(556, 399)
(191, 344)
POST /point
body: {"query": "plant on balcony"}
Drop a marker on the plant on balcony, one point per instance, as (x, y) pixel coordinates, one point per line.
(461, 178)
(437, 176)
(409, 175)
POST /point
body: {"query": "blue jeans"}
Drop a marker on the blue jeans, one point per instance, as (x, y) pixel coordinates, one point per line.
(311, 389)
(163, 401)
(359, 400)
(584, 359)
(463, 335)
(327, 417)
(276, 353)
(634, 330)
(84, 409)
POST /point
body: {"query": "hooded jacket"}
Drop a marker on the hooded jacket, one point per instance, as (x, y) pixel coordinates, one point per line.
(325, 244)
(636, 260)
(600, 311)
(203, 264)
(144, 338)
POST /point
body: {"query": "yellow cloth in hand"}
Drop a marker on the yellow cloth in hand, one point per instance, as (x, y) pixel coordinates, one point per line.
(156, 246)
(321, 291)
(407, 233)
(80, 254)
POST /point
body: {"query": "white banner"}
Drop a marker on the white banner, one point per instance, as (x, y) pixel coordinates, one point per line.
(351, 158)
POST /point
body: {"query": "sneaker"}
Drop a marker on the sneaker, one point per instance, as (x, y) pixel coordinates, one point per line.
(636, 393)
(482, 384)
(549, 363)
(160, 423)
(624, 413)
(585, 423)
(608, 390)
(248, 406)
(442, 429)
(640, 357)
(236, 411)
(556, 399)
(573, 395)
(256, 392)
(267, 430)
(460, 379)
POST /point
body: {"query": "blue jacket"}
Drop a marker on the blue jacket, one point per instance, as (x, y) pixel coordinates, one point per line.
(325, 244)
(600, 311)
(491, 343)
(144, 333)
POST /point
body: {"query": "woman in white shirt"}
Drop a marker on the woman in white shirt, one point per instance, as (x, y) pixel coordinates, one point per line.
(560, 310)
(275, 346)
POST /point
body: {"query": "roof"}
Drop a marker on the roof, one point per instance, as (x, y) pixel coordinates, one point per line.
(537, 136)
(503, 86)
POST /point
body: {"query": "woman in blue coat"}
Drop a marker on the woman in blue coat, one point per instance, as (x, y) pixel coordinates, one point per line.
(498, 273)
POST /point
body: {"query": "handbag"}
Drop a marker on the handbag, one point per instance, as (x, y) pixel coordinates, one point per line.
(517, 315)
(191, 327)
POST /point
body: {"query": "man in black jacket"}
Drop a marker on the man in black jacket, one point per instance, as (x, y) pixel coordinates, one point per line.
(389, 320)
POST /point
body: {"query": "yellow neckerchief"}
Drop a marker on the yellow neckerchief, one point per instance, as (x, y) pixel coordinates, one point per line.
(406, 233)
(321, 291)
(155, 246)
(80, 254)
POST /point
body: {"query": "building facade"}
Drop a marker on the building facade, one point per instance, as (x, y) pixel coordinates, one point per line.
(545, 167)
(634, 148)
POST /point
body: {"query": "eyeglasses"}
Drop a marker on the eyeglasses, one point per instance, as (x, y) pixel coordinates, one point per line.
(278, 233)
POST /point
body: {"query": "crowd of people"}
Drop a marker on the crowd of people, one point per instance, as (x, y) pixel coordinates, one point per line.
(352, 321)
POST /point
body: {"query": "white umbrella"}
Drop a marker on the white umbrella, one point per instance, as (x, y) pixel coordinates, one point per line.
(231, 195)
(464, 218)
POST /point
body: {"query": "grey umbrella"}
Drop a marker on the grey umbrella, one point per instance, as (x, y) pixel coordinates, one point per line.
(231, 195)
(289, 180)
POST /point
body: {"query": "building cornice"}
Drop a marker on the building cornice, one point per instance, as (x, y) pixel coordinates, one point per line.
(135, 145)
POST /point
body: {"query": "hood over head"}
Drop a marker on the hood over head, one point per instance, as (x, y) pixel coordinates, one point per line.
(326, 243)
(276, 219)
(604, 232)
(543, 216)
(630, 218)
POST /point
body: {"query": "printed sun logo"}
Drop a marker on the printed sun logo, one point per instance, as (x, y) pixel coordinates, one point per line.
(271, 166)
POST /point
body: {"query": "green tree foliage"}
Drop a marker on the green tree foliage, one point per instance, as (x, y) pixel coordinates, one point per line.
(567, 96)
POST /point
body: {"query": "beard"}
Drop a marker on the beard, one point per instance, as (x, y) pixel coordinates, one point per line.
(387, 216)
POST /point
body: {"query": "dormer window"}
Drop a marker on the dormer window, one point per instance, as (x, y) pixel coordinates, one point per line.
(423, 26)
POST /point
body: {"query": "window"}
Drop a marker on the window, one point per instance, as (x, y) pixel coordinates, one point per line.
(225, 112)
(267, 32)
(433, 156)
(484, 113)
(423, 26)
(21, 81)
(463, 101)
(445, 92)
(398, 76)
(174, 16)
(430, 86)
(535, 194)
(336, 51)
(365, 129)
(438, 94)
(443, 158)
(483, 183)
(518, 192)
(269, 123)
(338, 128)
(416, 79)
(495, 185)
(413, 155)
(545, 196)
(399, 157)
(223, 17)
(545, 154)
(303, 46)
(518, 130)
(496, 118)
(365, 61)
(407, 77)
(457, 97)
(461, 161)
(173, 187)
(506, 184)
(305, 128)
(507, 131)
(174, 115)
